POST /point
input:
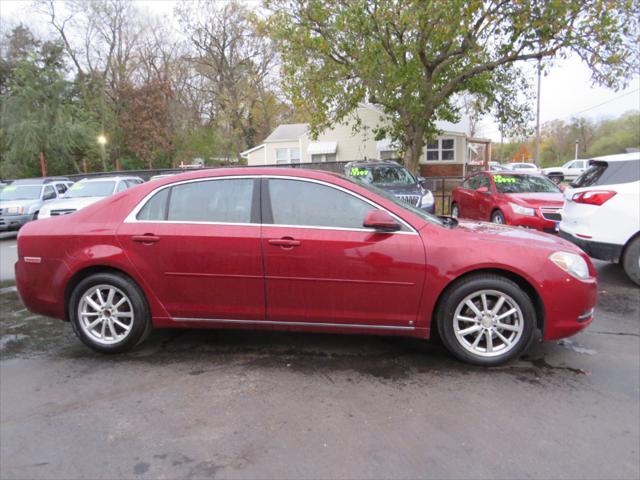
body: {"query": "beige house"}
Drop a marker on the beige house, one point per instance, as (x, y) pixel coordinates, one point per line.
(292, 143)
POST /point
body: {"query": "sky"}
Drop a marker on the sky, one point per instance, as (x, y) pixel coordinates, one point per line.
(566, 90)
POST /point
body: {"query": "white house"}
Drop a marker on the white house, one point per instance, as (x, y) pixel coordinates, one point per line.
(292, 143)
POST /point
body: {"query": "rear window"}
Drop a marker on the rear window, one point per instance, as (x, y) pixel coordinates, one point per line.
(609, 173)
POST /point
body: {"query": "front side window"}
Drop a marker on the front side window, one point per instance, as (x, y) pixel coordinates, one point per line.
(122, 186)
(49, 193)
(441, 150)
(218, 201)
(295, 202)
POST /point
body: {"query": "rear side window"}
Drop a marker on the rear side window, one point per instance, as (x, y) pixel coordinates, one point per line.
(609, 173)
(295, 202)
(220, 201)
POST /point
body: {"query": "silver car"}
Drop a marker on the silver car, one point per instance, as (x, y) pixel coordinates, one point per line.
(88, 191)
(22, 200)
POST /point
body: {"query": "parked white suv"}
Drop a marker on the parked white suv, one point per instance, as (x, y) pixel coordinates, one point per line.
(523, 167)
(602, 211)
(87, 191)
(569, 171)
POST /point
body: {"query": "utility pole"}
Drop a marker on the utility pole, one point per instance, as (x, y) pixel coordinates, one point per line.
(537, 159)
(577, 144)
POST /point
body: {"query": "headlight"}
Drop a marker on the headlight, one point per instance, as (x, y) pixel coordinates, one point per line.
(571, 263)
(520, 210)
(15, 210)
(427, 199)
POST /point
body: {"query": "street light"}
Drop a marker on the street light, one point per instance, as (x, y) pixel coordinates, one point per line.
(102, 140)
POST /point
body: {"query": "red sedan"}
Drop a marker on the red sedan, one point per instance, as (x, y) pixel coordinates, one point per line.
(298, 250)
(519, 199)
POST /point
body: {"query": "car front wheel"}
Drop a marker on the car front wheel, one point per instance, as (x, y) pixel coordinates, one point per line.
(109, 313)
(498, 217)
(486, 320)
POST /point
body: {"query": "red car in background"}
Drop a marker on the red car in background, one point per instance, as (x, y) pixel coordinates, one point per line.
(510, 198)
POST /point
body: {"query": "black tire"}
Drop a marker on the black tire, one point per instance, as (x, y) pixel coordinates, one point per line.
(455, 210)
(498, 217)
(631, 260)
(458, 292)
(556, 178)
(141, 321)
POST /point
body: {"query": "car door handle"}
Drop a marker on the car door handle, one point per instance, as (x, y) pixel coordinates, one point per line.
(285, 242)
(147, 238)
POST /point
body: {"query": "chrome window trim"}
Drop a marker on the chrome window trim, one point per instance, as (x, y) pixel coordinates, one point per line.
(301, 324)
(131, 218)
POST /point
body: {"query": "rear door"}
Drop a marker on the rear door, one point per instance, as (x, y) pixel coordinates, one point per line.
(323, 267)
(197, 245)
(465, 195)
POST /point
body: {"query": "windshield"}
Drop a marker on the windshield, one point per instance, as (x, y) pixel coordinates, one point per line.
(90, 189)
(385, 175)
(506, 183)
(20, 192)
(421, 213)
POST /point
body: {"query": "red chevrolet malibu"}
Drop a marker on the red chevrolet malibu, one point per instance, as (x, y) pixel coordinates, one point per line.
(521, 199)
(298, 250)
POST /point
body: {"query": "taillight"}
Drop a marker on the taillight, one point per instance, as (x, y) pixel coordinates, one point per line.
(594, 197)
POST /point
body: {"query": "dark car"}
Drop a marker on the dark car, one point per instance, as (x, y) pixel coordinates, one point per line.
(394, 179)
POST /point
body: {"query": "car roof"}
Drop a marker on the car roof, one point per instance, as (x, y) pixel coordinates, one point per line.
(39, 181)
(621, 157)
(109, 178)
(374, 163)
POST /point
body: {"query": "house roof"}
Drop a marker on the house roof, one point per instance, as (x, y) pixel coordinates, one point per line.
(247, 152)
(288, 131)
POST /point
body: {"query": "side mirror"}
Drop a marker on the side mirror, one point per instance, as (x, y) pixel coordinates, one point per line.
(381, 220)
(421, 180)
(482, 190)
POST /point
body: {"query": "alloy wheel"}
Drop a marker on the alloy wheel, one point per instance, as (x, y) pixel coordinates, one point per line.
(106, 314)
(488, 323)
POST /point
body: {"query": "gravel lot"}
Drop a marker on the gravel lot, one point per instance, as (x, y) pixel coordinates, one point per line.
(214, 404)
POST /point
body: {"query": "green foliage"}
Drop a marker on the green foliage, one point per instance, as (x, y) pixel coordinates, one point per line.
(40, 115)
(414, 58)
(558, 139)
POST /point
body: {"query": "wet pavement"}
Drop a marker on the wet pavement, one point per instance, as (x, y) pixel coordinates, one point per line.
(233, 404)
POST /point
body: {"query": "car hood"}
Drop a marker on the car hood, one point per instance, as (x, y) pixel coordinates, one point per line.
(514, 235)
(18, 203)
(77, 203)
(537, 199)
(402, 189)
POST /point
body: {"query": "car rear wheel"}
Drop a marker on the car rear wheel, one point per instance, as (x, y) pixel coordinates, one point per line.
(455, 210)
(109, 313)
(498, 217)
(631, 260)
(486, 320)
(556, 178)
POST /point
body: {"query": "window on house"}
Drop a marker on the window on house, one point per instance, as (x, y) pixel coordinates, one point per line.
(287, 155)
(324, 157)
(443, 149)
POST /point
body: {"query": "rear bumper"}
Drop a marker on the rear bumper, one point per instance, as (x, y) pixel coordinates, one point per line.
(609, 252)
(13, 222)
(41, 286)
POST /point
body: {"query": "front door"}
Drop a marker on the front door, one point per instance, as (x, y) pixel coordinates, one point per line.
(197, 245)
(322, 266)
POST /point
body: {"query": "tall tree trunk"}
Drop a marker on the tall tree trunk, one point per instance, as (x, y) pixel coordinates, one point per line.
(43, 162)
(414, 143)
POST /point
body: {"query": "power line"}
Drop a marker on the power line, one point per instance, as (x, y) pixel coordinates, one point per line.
(603, 103)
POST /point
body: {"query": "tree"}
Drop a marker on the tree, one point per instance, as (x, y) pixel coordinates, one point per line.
(414, 58)
(38, 115)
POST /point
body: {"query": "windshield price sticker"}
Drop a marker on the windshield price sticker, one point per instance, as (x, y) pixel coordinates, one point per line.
(77, 186)
(10, 188)
(359, 172)
(501, 179)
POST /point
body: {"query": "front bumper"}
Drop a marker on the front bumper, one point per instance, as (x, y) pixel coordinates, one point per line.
(536, 223)
(609, 252)
(13, 222)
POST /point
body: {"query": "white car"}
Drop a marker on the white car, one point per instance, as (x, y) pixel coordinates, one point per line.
(524, 167)
(602, 211)
(569, 171)
(85, 192)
